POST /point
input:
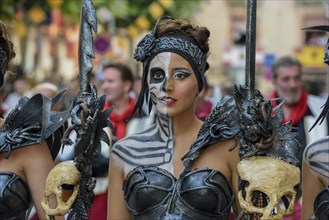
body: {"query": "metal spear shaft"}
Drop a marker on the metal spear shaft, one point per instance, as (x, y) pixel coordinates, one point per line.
(250, 52)
(250, 47)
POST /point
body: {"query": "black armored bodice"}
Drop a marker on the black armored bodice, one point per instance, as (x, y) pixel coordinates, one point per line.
(321, 204)
(201, 194)
(154, 193)
(15, 197)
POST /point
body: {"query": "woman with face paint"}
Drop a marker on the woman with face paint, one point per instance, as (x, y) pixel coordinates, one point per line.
(29, 137)
(148, 179)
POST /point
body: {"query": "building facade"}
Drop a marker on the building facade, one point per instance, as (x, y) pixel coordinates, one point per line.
(279, 33)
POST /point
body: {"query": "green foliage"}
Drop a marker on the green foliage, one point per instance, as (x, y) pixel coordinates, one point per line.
(6, 9)
(71, 10)
(125, 11)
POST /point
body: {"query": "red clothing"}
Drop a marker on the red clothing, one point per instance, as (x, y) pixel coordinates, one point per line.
(203, 110)
(98, 209)
(299, 110)
(119, 121)
(297, 214)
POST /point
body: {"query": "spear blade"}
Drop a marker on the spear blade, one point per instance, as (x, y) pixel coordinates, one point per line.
(88, 24)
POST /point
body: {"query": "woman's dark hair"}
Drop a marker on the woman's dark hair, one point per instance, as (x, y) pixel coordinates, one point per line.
(184, 27)
(166, 27)
(7, 52)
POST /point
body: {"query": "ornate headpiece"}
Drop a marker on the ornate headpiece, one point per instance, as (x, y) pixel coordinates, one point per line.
(183, 45)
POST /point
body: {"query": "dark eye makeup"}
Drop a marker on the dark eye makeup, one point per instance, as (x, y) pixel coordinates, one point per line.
(157, 75)
(181, 74)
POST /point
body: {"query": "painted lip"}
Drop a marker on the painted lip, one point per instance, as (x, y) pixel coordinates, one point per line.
(167, 100)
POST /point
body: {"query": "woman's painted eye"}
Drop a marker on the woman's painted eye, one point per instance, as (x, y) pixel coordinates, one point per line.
(182, 74)
(157, 75)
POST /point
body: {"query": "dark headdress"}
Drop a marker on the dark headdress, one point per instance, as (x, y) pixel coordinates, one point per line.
(183, 45)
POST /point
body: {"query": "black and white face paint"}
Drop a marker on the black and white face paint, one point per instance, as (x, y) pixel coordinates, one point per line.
(157, 81)
(154, 146)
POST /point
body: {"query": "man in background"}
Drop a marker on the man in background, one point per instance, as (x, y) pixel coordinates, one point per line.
(116, 84)
(300, 107)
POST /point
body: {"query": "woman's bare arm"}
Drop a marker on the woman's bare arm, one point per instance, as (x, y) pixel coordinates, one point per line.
(311, 186)
(36, 163)
(116, 207)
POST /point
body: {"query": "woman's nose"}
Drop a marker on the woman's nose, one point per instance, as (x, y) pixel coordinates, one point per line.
(164, 85)
(167, 85)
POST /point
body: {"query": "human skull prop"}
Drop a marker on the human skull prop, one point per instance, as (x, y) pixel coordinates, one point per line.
(64, 173)
(273, 178)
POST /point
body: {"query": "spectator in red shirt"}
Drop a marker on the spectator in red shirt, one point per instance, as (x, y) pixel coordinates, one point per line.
(116, 84)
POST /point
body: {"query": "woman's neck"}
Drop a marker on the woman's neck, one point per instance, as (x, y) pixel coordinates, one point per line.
(186, 123)
(165, 126)
(180, 124)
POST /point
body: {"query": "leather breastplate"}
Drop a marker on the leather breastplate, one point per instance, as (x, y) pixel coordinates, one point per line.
(15, 197)
(154, 193)
(321, 204)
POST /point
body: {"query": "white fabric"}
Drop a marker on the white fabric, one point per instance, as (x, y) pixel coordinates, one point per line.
(315, 103)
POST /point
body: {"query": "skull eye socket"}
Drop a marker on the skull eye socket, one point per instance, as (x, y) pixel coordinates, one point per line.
(259, 199)
(242, 187)
(67, 190)
(285, 201)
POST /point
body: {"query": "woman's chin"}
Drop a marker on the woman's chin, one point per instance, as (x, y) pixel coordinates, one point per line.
(162, 109)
